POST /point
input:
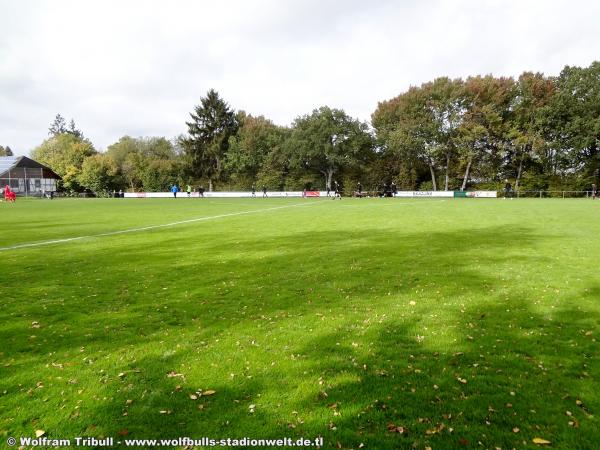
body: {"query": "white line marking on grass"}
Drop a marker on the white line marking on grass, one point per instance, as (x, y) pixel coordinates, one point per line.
(149, 227)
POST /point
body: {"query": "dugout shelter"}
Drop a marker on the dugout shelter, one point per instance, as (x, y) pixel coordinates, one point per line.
(26, 176)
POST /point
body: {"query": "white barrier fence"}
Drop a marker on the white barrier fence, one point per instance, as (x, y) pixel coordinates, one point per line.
(424, 194)
(279, 194)
(216, 194)
(447, 194)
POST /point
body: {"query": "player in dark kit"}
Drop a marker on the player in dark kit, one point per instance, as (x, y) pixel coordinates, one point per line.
(384, 190)
(253, 191)
(508, 193)
(359, 189)
(337, 192)
(264, 191)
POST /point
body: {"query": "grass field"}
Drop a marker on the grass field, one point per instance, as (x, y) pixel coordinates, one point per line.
(374, 323)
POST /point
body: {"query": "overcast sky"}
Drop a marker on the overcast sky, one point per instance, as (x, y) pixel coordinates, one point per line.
(138, 67)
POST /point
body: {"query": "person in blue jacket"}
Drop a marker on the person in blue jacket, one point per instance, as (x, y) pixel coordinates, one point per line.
(174, 190)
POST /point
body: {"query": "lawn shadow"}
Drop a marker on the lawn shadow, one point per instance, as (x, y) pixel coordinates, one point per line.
(210, 291)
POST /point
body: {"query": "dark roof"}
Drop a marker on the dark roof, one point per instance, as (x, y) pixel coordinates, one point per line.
(10, 163)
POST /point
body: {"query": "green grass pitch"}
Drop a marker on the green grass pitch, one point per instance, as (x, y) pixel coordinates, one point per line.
(374, 323)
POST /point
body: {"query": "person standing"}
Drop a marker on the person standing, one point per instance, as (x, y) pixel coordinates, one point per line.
(174, 190)
(393, 188)
(253, 190)
(594, 191)
(188, 190)
(264, 191)
(201, 191)
(337, 191)
(384, 189)
(359, 189)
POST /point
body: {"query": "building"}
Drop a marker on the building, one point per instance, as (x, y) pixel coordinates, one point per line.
(26, 176)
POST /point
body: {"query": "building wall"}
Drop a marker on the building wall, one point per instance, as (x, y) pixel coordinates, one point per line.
(31, 186)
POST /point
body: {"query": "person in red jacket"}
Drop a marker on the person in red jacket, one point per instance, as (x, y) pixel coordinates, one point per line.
(9, 195)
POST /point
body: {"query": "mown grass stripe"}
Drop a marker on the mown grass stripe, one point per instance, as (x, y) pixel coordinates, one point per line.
(146, 228)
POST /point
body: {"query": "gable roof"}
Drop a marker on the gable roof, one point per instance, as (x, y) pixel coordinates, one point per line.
(10, 163)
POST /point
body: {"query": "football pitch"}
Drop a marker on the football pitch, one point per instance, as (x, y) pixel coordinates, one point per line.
(372, 323)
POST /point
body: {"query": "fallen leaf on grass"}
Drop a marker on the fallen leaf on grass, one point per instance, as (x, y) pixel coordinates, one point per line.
(395, 428)
(516, 430)
(461, 380)
(540, 441)
(582, 406)
(173, 374)
(438, 428)
(39, 433)
(193, 396)
(208, 392)
(123, 432)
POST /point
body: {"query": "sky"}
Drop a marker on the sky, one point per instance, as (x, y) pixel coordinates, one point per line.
(137, 68)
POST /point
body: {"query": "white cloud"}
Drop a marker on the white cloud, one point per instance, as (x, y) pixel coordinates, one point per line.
(139, 67)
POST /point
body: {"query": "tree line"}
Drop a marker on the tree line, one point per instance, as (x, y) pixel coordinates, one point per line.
(537, 131)
(5, 151)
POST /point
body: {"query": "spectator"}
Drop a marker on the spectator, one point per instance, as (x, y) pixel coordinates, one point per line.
(507, 190)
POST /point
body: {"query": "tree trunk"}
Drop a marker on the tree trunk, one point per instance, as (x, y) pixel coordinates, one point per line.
(466, 177)
(432, 175)
(519, 172)
(329, 178)
(447, 170)
(210, 185)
